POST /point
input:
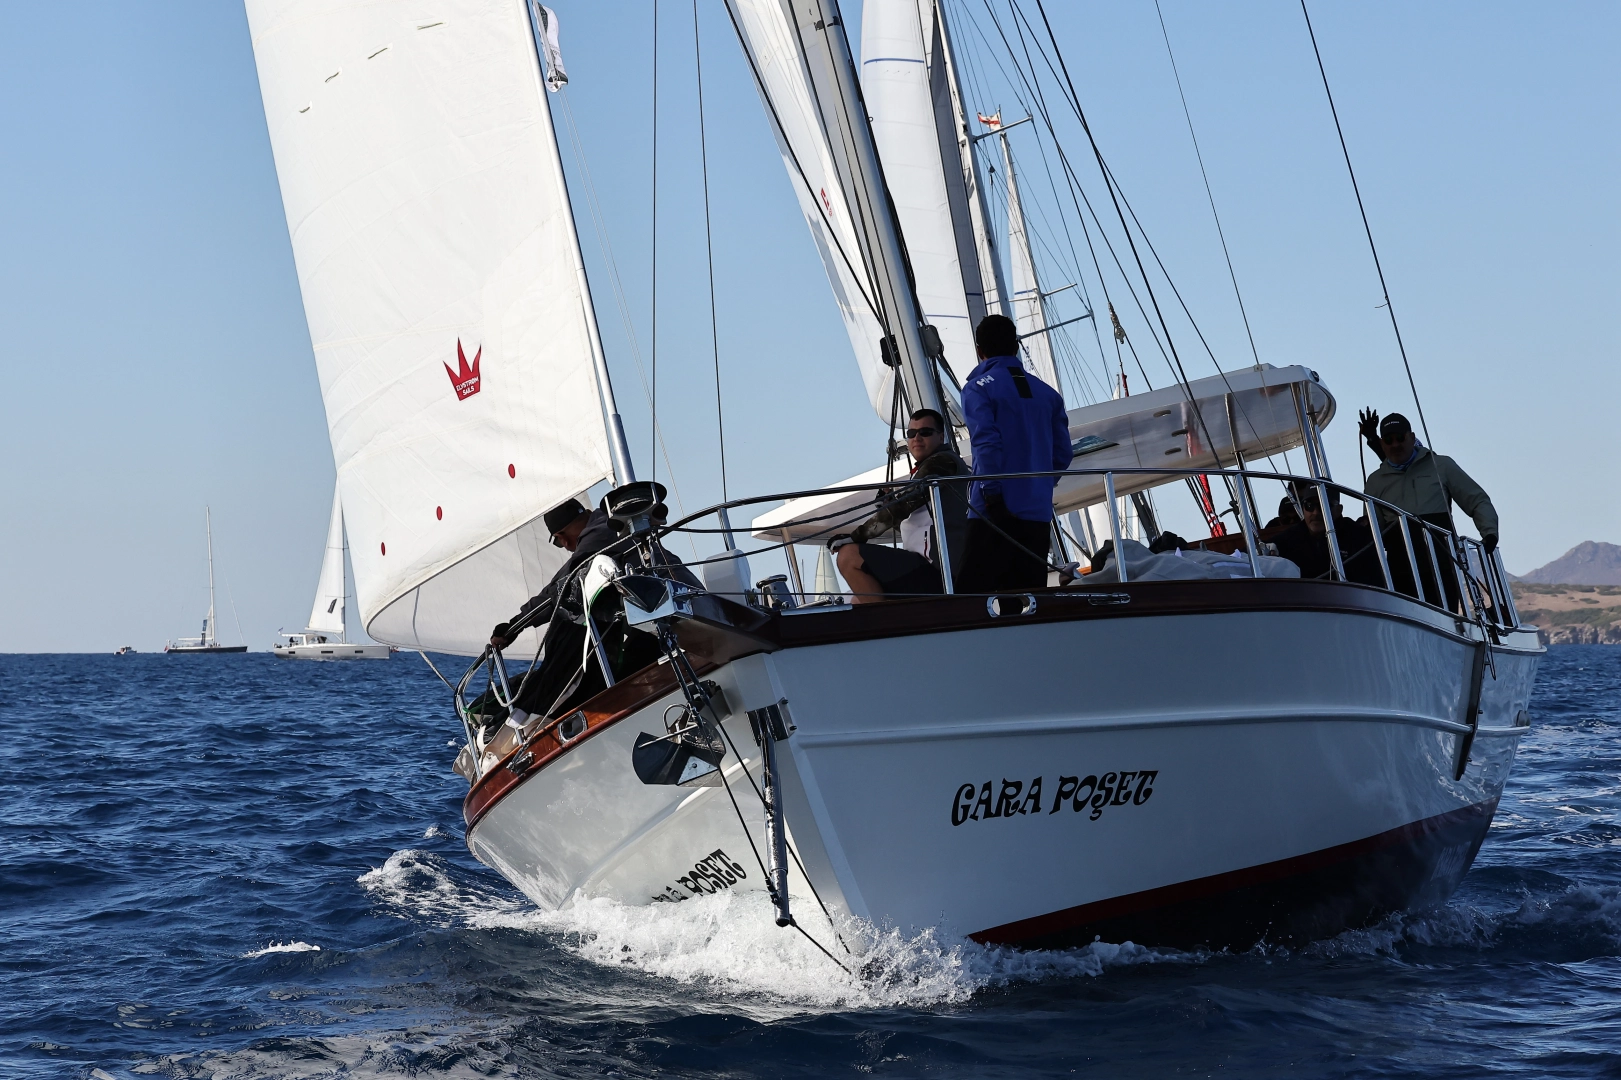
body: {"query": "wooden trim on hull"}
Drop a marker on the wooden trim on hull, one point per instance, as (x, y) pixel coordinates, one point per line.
(711, 643)
(1291, 901)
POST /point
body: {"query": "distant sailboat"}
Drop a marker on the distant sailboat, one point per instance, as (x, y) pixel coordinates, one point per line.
(323, 636)
(208, 642)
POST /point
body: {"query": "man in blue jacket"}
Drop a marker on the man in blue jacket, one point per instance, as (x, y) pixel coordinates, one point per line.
(1016, 423)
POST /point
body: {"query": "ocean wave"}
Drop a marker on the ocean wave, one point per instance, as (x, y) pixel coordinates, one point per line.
(729, 942)
(274, 947)
(1585, 912)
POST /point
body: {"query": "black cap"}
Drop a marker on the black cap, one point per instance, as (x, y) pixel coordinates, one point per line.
(1394, 426)
(559, 517)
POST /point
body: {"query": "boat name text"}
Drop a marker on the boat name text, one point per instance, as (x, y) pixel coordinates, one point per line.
(1013, 797)
(710, 874)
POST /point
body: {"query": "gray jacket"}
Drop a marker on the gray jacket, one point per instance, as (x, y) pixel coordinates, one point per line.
(1429, 485)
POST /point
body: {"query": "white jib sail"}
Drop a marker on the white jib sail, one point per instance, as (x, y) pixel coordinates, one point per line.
(437, 261)
(785, 89)
(895, 85)
(326, 614)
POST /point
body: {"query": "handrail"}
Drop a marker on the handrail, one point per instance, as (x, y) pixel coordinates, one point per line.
(1497, 597)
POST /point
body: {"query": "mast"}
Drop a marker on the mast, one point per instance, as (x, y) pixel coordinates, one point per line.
(543, 24)
(1029, 305)
(824, 48)
(208, 623)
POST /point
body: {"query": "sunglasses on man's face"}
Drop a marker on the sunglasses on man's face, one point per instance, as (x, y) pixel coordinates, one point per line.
(920, 432)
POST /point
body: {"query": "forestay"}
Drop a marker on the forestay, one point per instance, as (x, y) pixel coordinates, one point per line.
(326, 613)
(437, 259)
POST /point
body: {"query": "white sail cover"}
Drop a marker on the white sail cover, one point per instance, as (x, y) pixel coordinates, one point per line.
(895, 84)
(1029, 311)
(430, 229)
(785, 88)
(326, 614)
(1177, 427)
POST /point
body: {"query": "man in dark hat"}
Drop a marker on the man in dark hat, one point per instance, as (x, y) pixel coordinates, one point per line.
(1414, 478)
(581, 532)
(1016, 423)
(584, 534)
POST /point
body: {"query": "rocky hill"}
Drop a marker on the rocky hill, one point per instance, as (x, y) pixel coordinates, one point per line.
(1588, 563)
(1571, 614)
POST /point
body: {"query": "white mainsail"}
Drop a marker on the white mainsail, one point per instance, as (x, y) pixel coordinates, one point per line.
(895, 83)
(441, 280)
(326, 613)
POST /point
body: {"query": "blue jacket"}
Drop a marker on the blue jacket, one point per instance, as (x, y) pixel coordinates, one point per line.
(1014, 431)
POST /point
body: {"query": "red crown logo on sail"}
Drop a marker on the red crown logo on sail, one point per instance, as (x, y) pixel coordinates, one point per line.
(465, 379)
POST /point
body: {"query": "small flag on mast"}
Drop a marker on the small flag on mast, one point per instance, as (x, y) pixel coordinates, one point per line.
(546, 31)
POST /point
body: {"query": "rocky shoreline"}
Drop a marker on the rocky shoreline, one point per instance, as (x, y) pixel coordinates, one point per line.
(1571, 614)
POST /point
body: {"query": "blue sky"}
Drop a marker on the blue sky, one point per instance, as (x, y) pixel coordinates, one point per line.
(158, 359)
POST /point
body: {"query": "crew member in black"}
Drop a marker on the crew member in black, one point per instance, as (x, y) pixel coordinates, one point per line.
(568, 675)
(1305, 543)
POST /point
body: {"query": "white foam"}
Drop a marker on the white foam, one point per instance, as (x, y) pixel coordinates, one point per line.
(728, 942)
(274, 947)
(417, 885)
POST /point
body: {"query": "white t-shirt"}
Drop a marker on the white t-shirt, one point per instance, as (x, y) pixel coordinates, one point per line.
(915, 531)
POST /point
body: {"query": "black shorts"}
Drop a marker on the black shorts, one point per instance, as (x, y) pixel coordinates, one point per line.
(900, 572)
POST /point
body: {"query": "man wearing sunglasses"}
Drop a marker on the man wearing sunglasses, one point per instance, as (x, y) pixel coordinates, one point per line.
(874, 571)
(1414, 478)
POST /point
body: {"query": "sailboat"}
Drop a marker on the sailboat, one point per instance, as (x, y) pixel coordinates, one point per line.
(1214, 756)
(208, 642)
(323, 636)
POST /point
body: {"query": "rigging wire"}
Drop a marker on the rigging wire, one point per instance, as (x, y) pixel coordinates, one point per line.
(621, 300)
(653, 264)
(1078, 196)
(1365, 226)
(1203, 175)
(709, 249)
(1118, 197)
(1221, 234)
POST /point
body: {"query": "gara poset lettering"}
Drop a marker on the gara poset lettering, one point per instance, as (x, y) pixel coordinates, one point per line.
(1012, 798)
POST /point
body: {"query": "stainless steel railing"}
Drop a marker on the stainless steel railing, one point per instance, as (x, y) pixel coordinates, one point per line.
(1418, 569)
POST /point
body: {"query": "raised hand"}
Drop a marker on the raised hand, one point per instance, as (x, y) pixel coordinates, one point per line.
(1368, 425)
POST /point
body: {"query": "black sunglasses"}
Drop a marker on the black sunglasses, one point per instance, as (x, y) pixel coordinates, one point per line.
(920, 432)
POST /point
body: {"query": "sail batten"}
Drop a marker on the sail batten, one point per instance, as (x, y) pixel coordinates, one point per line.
(440, 278)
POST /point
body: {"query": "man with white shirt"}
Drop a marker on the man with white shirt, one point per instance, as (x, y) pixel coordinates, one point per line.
(875, 571)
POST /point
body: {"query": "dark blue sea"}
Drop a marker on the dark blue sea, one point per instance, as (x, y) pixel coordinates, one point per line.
(243, 867)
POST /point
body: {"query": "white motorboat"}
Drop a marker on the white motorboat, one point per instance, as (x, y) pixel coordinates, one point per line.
(207, 643)
(324, 638)
(1198, 753)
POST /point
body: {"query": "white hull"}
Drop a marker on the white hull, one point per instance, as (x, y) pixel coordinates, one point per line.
(1291, 774)
(331, 650)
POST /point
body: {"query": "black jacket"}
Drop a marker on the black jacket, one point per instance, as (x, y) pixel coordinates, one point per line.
(600, 534)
